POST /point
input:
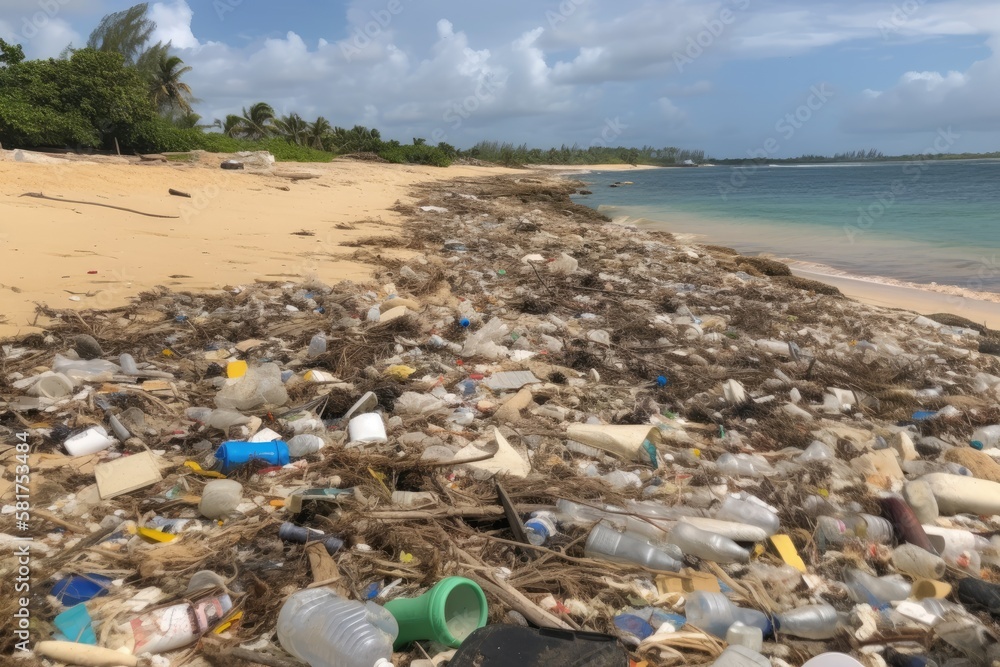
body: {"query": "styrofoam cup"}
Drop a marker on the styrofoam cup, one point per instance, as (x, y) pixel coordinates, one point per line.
(367, 428)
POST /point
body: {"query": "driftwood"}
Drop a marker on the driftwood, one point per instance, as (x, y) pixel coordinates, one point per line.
(178, 193)
(39, 195)
(153, 157)
(296, 175)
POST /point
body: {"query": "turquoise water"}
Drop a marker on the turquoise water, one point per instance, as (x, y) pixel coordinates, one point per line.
(932, 222)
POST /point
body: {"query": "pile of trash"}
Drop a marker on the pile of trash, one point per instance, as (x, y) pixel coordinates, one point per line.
(540, 437)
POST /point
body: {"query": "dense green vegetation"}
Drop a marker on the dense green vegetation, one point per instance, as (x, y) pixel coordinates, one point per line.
(511, 155)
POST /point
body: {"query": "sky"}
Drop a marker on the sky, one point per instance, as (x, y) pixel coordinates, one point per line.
(734, 78)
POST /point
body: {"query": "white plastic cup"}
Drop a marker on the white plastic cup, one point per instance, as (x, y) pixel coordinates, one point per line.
(94, 439)
(220, 498)
(367, 428)
(52, 385)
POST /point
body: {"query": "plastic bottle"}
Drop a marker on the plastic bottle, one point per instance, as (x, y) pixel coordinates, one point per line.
(584, 515)
(743, 465)
(918, 563)
(957, 547)
(814, 621)
(705, 545)
(170, 628)
(741, 656)
(317, 346)
(304, 444)
(605, 543)
(743, 511)
(540, 528)
(989, 436)
(289, 532)
(745, 635)
(838, 530)
(234, 453)
(715, 614)
(876, 591)
(323, 629)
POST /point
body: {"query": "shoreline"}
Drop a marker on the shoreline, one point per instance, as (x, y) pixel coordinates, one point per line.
(923, 299)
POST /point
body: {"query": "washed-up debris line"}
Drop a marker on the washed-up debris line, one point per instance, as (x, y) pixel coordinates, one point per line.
(600, 428)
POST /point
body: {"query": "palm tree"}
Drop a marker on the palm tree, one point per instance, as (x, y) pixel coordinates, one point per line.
(231, 127)
(293, 128)
(125, 32)
(258, 122)
(318, 133)
(167, 92)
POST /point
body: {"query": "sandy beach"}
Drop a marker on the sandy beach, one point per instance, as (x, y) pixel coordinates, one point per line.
(241, 227)
(236, 228)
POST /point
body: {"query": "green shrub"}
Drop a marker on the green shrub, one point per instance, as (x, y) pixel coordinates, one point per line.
(419, 154)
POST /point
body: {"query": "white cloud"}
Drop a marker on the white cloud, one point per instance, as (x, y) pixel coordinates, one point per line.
(671, 115)
(173, 24)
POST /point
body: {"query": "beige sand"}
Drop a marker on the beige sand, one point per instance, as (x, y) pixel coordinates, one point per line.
(236, 229)
(924, 302)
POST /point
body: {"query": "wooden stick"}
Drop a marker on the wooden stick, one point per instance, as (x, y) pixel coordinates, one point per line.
(39, 195)
(52, 518)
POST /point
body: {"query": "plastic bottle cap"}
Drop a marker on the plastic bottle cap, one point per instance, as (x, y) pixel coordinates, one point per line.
(975, 444)
(662, 381)
(464, 322)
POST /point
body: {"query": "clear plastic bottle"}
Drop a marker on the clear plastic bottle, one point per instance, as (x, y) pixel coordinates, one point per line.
(715, 614)
(814, 621)
(876, 591)
(606, 543)
(918, 563)
(865, 527)
(743, 511)
(989, 436)
(540, 528)
(317, 346)
(705, 545)
(323, 629)
(745, 635)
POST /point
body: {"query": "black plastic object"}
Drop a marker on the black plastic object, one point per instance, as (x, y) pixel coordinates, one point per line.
(516, 646)
(977, 594)
(906, 523)
(516, 525)
(289, 532)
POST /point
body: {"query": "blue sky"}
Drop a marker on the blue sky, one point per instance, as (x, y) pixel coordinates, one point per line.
(730, 77)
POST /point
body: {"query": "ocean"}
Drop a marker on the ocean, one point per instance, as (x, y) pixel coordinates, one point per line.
(896, 222)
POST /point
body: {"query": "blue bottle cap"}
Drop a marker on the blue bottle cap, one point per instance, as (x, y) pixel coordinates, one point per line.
(662, 381)
(464, 322)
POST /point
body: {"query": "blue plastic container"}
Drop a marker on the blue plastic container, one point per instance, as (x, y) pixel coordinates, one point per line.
(78, 589)
(234, 453)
